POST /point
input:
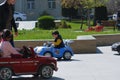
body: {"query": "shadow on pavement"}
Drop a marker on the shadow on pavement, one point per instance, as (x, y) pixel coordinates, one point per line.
(98, 51)
(35, 78)
(62, 60)
(117, 54)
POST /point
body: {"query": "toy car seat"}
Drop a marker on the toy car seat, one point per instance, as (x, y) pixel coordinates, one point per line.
(1, 52)
(32, 52)
(26, 52)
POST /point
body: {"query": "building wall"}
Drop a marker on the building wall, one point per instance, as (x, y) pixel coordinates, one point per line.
(40, 7)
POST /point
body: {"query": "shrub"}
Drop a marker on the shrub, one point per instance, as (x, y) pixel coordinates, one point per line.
(46, 22)
(64, 25)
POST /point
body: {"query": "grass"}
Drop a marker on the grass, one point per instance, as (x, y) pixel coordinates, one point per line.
(37, 34)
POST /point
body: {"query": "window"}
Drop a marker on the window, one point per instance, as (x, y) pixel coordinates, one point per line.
(51, 4)
(30, 4)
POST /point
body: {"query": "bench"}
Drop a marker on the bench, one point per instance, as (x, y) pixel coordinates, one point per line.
(86, 44)
(107, 23)
(83, 44)
(57, 22)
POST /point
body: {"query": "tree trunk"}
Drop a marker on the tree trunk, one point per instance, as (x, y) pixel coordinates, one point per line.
(82, 19)
(88, 18)
(81, 24)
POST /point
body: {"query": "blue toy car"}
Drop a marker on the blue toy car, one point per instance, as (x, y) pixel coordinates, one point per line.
(48, 50)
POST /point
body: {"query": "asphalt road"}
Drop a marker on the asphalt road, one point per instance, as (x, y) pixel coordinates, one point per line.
(104, 65)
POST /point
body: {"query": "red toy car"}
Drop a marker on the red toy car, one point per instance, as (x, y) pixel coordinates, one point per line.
(35, 65)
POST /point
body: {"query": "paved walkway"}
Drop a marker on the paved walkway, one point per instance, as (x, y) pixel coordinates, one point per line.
(104, 65)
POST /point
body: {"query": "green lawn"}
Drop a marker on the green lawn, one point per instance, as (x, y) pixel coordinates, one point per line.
(66, 33)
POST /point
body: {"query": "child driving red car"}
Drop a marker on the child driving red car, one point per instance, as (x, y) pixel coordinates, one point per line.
(5, 45)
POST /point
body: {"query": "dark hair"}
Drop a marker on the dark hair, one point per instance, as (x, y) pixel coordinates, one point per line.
(55, 32)
(6, 33)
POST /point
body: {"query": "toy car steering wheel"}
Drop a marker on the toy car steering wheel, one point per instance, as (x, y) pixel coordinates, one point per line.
(26, 52)
(49, 44)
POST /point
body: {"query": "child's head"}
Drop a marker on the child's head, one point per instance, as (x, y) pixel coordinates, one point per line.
(98, 22)
(55, 34)
(11, 2)
(7, 34)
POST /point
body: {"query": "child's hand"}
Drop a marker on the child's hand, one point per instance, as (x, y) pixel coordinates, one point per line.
(16, 34)
(53, 45)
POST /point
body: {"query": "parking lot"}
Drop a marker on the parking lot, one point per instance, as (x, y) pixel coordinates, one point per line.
(105, 65)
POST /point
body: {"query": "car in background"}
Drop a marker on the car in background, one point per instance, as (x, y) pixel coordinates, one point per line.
(114, 16)
(18, 16)
(29, 64)
(116, 47)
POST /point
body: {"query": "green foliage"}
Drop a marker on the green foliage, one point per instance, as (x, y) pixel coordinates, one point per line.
(46, 22)
(64, 25)
(83, 3)
(71, 3)
(39, 34)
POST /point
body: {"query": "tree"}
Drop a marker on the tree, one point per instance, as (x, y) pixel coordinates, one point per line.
(114, 7)
(100, 14)
(87, 4)
(69, 12)
(71, 3)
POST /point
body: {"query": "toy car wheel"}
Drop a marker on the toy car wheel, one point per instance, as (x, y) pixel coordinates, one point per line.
(118, 49)
(46, 72)
(5, 73)
(118, 52)
(48, 54)
(67, 55)
(18, 19)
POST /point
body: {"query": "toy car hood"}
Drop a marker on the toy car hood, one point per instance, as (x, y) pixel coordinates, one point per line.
(38, 49)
